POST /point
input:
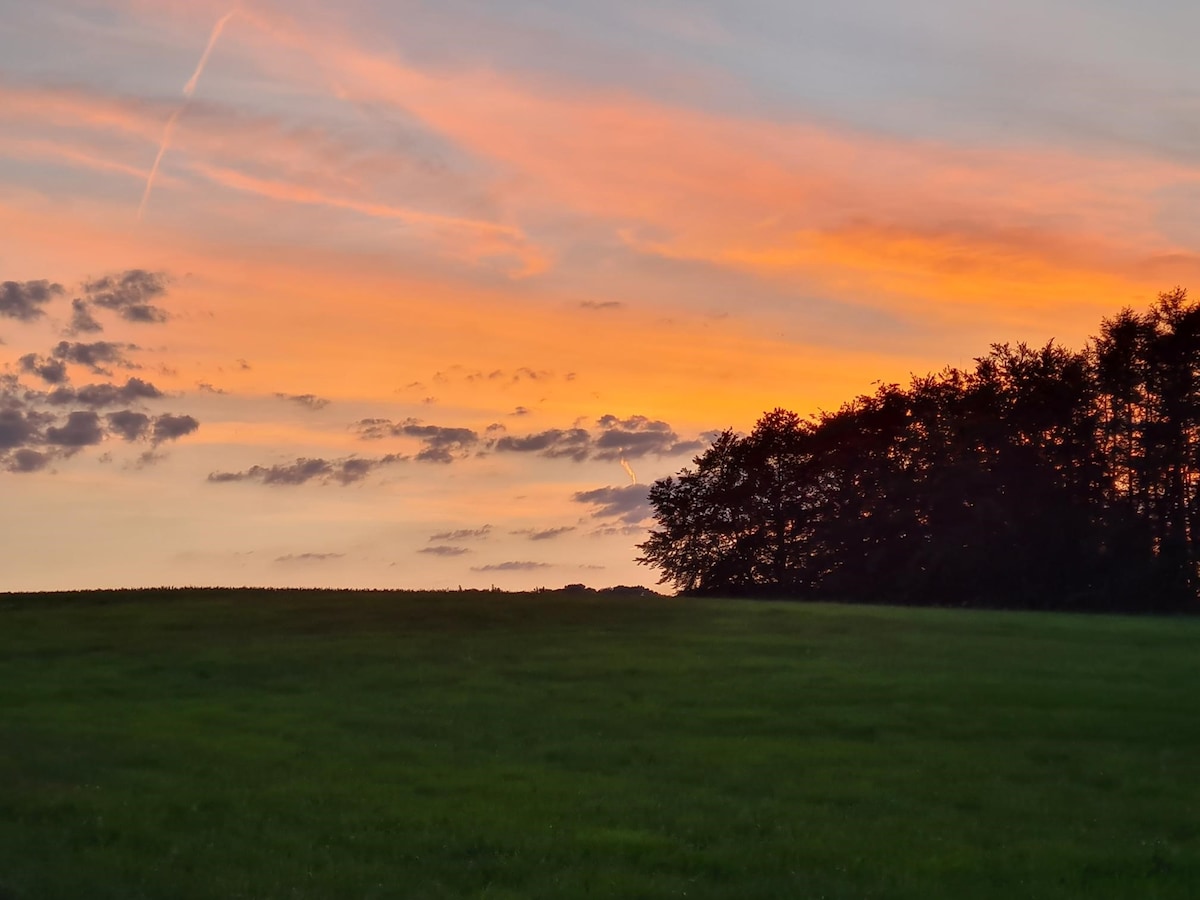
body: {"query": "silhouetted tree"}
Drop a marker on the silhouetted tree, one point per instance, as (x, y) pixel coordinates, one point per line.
(1041, 477)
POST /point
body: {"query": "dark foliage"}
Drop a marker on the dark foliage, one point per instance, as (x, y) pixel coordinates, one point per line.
(1043, 477)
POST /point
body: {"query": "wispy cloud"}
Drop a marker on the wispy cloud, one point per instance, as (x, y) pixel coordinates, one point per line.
(513, 566)
(444, 550)
(309, 557)
(311, 402)
(462, 534)
(345, 471)
(544, 534)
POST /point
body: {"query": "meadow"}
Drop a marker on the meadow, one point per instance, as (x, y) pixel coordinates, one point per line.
(317, 744)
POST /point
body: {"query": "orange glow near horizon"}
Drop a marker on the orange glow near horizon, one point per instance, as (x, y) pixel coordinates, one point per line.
(353, 223)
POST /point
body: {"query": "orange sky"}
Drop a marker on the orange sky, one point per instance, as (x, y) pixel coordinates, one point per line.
(475, 225)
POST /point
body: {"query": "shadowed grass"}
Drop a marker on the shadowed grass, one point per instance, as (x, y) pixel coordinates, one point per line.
(258, 744)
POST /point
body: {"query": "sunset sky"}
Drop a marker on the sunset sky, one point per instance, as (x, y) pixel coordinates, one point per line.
(423, 294)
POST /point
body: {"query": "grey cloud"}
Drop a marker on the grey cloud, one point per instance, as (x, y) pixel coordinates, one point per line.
(171, 428)
(571, 443)
(128, 424)
(95, 355)
(301, 471)
(638, 436)
(520, 411)
(51, 371)
(98, 395)
(514, 566)
(18, 427)
(23, 300)
(616, 531)
(630, 504)
(498, 376)
(630, 438)
(82, 429)
(442, 550)
(37, 427)
(544, 534)
(82, 320)
(208, 388)
(601, 304)
(26, 460)
(462, 534)
(341, 471)
(308, 557)
(149, 458)
(22, 430)
(129, 294)
(442, 445)
(308, 401)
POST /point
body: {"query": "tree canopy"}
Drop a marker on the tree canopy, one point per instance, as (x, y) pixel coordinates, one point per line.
(1042, 477)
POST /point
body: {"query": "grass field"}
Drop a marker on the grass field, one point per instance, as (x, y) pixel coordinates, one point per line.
(228, 744)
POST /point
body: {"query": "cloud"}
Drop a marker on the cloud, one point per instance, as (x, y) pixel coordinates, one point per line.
(40, 426)
(630, 504)
(82, 320)
(441, 445)
(752, 182)
(630, 438)
(19, 427)
(171, 428)
(207, 388)
(308, 401)
(308, 557)
(638, 436)
(23, 300)
(129, 294)
(26, 460)
(473, 241)
(496, 377)
(614, 439)
(443, 550)
(51, 371)
(347, 470)
(82, 429)
(95, 355)
(511, 567)
(602, 304)
(22, 430)
(100, 395)
(128, 424)
(556, 443)
(544, 534)
(462, 534)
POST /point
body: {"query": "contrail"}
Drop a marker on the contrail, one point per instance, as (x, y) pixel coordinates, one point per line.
(188, 90)
(628, 470)
(190, 87)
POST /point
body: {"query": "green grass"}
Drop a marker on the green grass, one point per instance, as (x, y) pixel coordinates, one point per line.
(323, 745)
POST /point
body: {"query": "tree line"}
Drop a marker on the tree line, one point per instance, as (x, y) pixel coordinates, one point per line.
(1042, 477)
